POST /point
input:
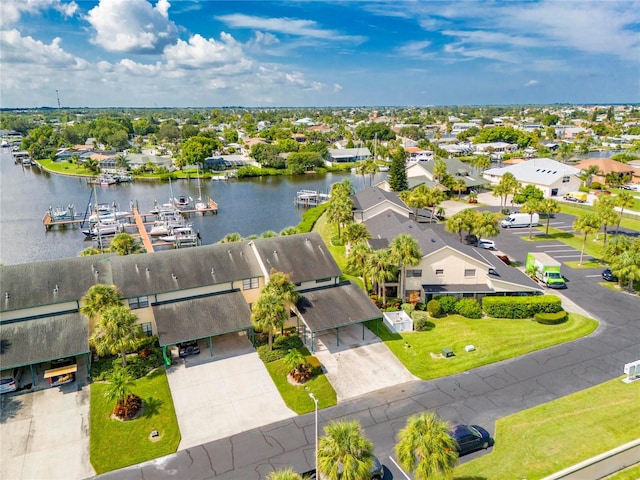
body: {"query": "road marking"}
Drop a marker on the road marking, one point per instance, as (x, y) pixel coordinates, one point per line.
(559, 251)
(590, 276)
(551, 246)
(572, 256)
(398, 466)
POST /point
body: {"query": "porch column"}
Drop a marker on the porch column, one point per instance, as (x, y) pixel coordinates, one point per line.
(363, 330)
(87, 364)
(210, 342)
(338, 337)
(33, 376)
(312, 343)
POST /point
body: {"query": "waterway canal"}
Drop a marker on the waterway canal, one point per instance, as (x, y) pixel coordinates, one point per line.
(247, 207)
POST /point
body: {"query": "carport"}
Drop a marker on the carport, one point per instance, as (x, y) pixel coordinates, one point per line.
(333, 307)
(31, 342)
(202, 317)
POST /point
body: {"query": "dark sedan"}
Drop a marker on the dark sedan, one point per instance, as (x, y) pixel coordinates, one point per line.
(471, 438)
(609, 276)
(186, 349)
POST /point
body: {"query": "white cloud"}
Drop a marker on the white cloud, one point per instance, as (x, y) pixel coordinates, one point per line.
(531, 83)
(132, 26)
(199, 52)
(12, 10)
(16, 49)
(416, 50)
(287, 26)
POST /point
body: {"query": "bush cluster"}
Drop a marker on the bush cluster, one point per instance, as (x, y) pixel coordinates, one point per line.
(281, 346)
(447, 304)
(520, 307)
(310, 217)
(551, 318)
(434, 308)
(421, 322)
(469, 308)
(407, 308)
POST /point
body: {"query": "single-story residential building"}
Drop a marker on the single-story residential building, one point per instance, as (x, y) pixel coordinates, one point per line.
(608, 166)
(554, 178)
(346, 155)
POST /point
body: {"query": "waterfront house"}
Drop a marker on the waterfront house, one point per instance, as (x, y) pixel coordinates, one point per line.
(346, 155)
(607, 166)
(455, 168)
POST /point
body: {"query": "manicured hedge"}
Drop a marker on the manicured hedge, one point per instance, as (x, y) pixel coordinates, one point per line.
(551, 318)
(434, 308)
(469, 308)
(447, 303)
(421, 321)
(520, 307)
(310, 217)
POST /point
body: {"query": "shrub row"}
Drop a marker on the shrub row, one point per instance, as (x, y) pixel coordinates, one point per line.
(310, 217)
(551, 318)
(281, 346)
(520, 307)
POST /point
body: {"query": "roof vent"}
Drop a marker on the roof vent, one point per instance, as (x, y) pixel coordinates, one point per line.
(173, 275)
(136, 267)
(433, 240)
(55, 289)
(147, 269)
(6, 295)
(96, 272)
(275, 252)
(213, 271)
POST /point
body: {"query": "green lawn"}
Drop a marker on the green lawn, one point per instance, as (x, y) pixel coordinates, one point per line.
(66, 168)
(594, 246)
(494, 340)
(296, 397)
(542, 440)
(627, 222)
(115, 444)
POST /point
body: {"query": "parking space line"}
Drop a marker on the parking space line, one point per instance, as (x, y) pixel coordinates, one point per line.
(591, 276)
(547, 246)
(560, 251)
(398, 467)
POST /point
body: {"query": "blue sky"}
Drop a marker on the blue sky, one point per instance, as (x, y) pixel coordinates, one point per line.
(207, 53)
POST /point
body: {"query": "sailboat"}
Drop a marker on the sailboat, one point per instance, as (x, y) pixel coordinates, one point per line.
(200, 204)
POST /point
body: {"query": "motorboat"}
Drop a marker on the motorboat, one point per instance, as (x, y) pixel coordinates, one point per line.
(182, 236)
(110, 227)
(107, 213)
(165, 225)
(182, 201)
(60, 212)
(165, 209)
(200, 205)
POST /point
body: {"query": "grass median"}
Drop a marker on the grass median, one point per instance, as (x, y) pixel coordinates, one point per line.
(548, 438)
(115, 444)
(494, 340)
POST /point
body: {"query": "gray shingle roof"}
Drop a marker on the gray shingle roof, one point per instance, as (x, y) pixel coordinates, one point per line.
(43, 339)
(148, 273)
(304, 257)
(336, 306)
(34, 284)
(372, 196)
(201, 317)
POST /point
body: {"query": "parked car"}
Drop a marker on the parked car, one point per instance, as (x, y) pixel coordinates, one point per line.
(488, 244)
(377, 471)
(186, 349)
(471, 239)
(471, 438)
(8, 383)
(608, 275)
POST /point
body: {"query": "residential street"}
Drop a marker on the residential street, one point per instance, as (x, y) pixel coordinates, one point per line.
(480, 396)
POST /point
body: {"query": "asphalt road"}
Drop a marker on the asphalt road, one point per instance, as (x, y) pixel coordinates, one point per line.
(480, 396)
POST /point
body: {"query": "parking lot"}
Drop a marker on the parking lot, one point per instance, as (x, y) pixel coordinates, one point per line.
(216, 397)
(45, 433)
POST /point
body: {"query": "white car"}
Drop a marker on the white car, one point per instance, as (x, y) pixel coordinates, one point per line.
(488, 244)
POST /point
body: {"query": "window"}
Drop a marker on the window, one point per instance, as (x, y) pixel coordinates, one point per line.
(138, 302)
(565, 179)
(414, 273)
(250, 283)
(146, 328)
(469, 272)
(322, 280)
(439, 271)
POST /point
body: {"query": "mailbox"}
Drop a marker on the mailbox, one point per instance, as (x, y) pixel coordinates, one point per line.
(447, 353)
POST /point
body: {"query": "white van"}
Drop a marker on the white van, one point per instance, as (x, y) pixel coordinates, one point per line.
(520, 220)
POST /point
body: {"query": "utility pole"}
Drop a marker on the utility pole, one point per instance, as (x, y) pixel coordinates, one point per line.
(58, 97)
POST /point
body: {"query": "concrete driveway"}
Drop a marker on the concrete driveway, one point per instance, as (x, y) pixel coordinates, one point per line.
(45, 434)
(357, 367)
(219, 396)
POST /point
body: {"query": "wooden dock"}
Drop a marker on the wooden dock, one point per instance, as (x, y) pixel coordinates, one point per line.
(142, 230)
(49, 222)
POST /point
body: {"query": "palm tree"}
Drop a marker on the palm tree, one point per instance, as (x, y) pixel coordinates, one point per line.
(405, 252)
(531, 206)
(286, 474)
(627, 265)
(344, 453)
(120, 385)
(586, 224)
(459, 186)
(549, 206)
(434, 197)
(485, 223)
(268, 313)
(231, 237)
(439, 170)
(268, 234)
(288, 231)
(339, 210)
(357, 261)
(605, 209)
(99, 298)
(371, 168)
(455, 224)
(416, 198)
(361, 169)
(426, 447)
(116, 332)
(623, 200)
(382, 269)
(124, 244)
